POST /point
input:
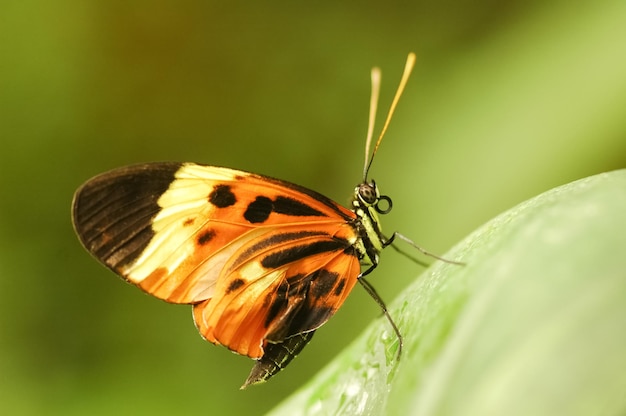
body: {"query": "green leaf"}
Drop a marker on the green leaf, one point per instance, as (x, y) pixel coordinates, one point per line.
(533, 324)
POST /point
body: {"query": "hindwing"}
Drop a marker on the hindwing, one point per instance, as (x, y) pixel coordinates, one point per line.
(269, 294)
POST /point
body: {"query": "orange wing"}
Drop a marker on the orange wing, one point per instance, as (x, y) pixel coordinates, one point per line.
(261, 259)
(268, 295)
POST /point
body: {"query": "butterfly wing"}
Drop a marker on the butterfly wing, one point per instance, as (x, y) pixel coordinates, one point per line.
(256, 255)
(272, 292)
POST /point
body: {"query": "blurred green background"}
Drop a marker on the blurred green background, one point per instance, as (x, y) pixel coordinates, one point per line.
(507, 100)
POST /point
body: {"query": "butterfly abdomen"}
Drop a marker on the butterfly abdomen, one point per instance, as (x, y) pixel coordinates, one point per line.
(277, 356)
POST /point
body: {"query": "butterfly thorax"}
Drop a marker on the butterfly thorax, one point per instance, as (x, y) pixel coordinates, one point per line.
(367, 203)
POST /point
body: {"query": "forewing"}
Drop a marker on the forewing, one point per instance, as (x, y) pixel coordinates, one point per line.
(171, 228)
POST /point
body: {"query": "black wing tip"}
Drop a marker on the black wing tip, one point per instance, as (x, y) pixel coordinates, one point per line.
(112, 212)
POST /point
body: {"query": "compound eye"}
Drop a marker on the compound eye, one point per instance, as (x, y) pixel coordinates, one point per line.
(386, 205)
(368, 193)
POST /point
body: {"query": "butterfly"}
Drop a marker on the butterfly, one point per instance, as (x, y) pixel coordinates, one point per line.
(263, 261)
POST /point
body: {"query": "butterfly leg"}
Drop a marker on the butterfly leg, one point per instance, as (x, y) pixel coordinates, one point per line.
(372, 292)
(422, 250)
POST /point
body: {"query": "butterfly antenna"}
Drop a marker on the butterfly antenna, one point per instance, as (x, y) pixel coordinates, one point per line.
(376, 75)
(408, 68)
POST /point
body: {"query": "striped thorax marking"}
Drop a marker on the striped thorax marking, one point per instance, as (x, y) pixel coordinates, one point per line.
(365, 205)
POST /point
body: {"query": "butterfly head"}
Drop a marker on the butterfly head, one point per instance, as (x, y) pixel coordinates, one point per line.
(367, 196)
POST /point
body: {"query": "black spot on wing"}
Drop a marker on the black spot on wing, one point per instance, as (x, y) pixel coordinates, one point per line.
(315, 195)
(340, 287)
(292, 254)
(323, 283)
(351, 251)
(113, 212)
(273, 241)
(222, 196)
(205, 237)
(258, 210)
(293, 207)
(309, 317)
(278, 304)
(288, 298)
(235, 284)
(311, 311)
(262, 207)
